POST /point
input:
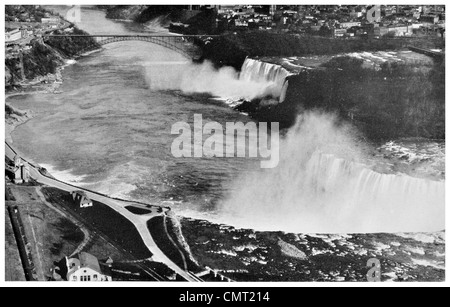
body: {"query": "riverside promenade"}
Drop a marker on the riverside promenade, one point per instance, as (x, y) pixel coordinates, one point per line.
(140, 222)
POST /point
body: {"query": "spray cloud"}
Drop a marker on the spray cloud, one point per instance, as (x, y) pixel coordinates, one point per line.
(322, 186)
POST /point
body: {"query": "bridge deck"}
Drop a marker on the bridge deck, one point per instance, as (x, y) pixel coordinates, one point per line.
(183, 44)
(129, 35)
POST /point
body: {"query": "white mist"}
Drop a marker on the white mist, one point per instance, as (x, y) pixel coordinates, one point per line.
(224, 82)
(321, 186)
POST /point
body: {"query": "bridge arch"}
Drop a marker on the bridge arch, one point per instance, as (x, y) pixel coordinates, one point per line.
(182, 44)
(176, 44)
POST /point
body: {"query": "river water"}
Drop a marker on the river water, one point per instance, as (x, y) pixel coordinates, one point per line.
(109, 130)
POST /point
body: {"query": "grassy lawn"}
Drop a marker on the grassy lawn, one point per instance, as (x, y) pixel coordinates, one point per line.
(104, 219)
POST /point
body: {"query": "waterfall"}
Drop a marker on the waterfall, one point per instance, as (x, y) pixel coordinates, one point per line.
(323, 184)
(354, 197)
(263, 72)
(332, 195)
(284, 91)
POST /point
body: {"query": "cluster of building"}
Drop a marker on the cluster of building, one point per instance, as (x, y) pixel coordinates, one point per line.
(17, 30)
(332, 20)
(245, 17)
(377, 21)
(25, 23)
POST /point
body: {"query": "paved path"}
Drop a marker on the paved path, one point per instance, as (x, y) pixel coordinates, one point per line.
(140, 222)
(87, 235)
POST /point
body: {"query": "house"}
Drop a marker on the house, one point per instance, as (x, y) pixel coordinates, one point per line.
(12, 35)
(80, 198)
(82, 267)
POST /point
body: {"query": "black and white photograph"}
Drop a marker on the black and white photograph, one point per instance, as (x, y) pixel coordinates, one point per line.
(226, 144)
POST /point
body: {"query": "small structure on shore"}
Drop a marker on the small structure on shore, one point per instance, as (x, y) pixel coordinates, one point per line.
(80, 198)
(18, 172)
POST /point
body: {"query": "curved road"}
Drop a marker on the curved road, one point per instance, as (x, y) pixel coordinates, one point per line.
(140, 222)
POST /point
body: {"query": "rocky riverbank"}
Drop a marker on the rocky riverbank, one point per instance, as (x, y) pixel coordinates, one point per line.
(39, 67)
(248, 255)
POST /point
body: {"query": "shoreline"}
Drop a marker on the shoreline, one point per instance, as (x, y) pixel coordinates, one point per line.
(18, 118)
(53, 81)
(33, 87)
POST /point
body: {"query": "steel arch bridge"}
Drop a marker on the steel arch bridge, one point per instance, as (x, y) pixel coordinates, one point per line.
(183, 44)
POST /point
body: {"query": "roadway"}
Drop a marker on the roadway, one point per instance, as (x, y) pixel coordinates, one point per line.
(140, 222)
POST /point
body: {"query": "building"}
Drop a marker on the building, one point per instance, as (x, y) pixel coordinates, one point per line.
(340, 32)
(395, 30)
(80, 198)
(83, 267)
(18, 172)
(429, 19)
(241, 23)
(13, 35)
(416, 25)
(350, 24)
(51, 20)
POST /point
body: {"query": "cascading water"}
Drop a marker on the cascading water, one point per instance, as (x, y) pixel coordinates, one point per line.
(263, 72)
(257, 79)
(324, 185)
(284, 91)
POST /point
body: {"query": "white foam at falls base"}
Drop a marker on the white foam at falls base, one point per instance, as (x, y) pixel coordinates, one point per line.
(318, 188)
(205, 78)
(334, 195)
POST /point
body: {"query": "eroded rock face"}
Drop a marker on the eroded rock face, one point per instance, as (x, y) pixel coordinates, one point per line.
(246, 255)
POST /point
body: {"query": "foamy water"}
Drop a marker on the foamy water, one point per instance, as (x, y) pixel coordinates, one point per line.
(64, 175)
(322, 186)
